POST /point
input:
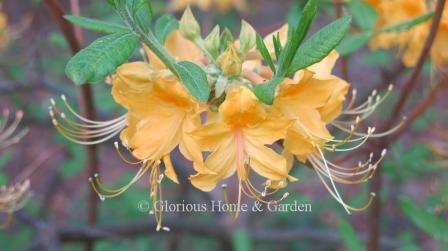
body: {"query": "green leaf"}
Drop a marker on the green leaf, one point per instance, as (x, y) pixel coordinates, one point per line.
(194, 79)
(353, 43)
(364, 15)
(408, 24)
(350, 237)
(266, 92)
(277, 46)
(141, 12)
(101, 58)
(95, 25)
(432, 225)
(164, 26)
(296, 37)
(241, 240)
(294, 14)
(264, 52)
(320, 44)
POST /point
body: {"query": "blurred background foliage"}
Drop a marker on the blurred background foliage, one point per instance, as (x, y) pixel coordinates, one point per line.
(415, 197)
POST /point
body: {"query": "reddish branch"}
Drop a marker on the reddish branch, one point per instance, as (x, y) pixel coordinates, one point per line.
(376, 183)
(338, 4)
(85, 102)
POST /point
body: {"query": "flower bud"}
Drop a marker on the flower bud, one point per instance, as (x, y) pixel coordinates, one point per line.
(247, 37)
(189, 26)
(212, 41)
(231, 61)
(226, 39)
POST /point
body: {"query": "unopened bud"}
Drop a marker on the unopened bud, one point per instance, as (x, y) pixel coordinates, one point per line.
(247, 37)
(212, 41)
(231, 61)
(226, 39)
(189, 26)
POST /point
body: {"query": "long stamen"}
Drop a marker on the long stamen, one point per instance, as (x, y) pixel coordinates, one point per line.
(88, 132)
(8, 134)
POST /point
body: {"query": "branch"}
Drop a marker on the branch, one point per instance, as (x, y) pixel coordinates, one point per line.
(376, 183)
(85, 100)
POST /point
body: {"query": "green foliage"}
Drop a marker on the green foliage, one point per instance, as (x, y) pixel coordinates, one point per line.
(364, 15)
(429, 223)
(266, 92)
(405, 163)
(353, 43)
(101, 58)
(264, 52)
(96, 25)
(137, 13)
(350, 237)
(277, 46)
(195, 79)
(294, 14)
(320, 44)
(408, 24)
(16, 240)
(241, 240)
(295, 37)
(164, 26)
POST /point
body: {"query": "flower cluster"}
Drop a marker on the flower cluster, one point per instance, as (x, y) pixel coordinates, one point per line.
(14, 197)
(409, 43)
(234, 133)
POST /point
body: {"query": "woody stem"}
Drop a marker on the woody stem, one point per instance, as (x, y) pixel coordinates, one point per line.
(85, 101)
(376, 183)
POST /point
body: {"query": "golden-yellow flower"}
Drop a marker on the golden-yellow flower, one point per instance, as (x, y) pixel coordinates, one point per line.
(241, 135)
(237, 139)
(161, 114)
(313, 99)
(409, 43)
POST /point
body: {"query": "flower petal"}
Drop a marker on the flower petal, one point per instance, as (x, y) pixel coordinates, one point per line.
(169, 169)
(242, 108)
(222, 162)
(265, 161)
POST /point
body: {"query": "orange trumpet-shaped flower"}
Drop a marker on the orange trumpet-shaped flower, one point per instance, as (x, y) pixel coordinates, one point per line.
(237, 139)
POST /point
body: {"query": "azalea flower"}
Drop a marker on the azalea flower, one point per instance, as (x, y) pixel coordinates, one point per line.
(313, 99)
(241, 136)
(205, 5)
(14, 197)
(409, 43)
(161, 114)
(237, 139)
